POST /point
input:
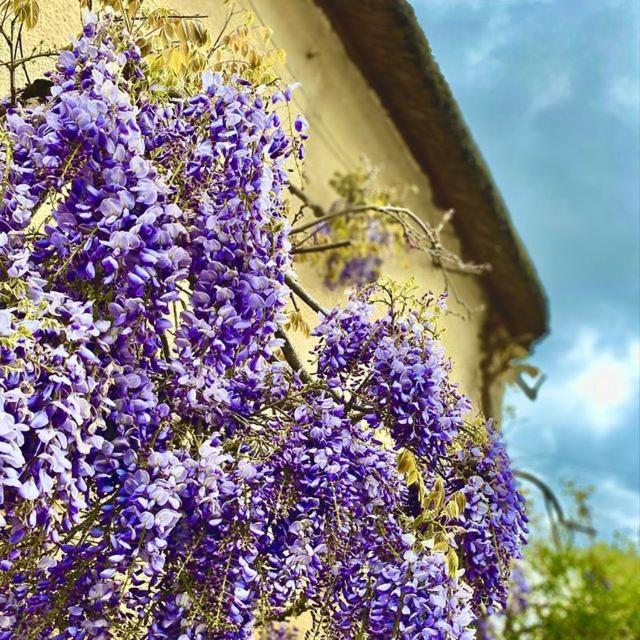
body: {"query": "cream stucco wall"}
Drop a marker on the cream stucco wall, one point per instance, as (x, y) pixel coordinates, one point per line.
(347, 122)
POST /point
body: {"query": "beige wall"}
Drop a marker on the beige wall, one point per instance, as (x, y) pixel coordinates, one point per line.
(347, 122)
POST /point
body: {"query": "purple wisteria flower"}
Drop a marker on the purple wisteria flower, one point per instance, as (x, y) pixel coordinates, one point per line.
(494, 522)
(164, 472)
(395, 368)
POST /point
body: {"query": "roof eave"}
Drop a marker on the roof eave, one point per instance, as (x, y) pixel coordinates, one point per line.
(385, 41)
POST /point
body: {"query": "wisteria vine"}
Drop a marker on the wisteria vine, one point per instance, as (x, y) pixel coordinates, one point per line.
(166, 472)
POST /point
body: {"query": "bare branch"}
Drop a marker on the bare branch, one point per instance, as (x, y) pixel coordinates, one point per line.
(318, 211)
(291, 356)
(177, 16)
(23, 61)
(441, 256)
(418, 234)
(320, 220)
(553, 505)
(323, 247)
(303, 295)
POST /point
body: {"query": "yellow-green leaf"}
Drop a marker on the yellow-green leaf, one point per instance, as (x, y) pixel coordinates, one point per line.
(27, 12)
(452, 562)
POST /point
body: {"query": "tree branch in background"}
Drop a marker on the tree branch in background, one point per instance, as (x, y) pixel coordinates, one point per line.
(439, 253)
(554, 509)
(16, 17)
(178, 16)
(26, 59)
(9, 39)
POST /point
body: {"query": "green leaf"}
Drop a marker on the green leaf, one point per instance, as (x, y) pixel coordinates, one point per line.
(27, 12)
(452, 562)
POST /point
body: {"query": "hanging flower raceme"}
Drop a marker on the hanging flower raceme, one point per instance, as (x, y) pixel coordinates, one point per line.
(494, 523)
(395, 369)
(164, 472)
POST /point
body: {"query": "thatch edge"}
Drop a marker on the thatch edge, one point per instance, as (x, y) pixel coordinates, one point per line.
(459, 176)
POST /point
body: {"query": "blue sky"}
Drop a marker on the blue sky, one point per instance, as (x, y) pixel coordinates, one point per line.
(551, 92)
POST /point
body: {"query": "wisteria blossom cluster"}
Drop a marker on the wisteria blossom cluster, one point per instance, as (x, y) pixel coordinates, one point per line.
(393, 367)
(494, 521)
(165, 472)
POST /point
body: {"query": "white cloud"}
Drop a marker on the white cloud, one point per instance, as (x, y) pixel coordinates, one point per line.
(597, 385)
(623, 97)
(500, 26)
(619, 506)
(556, 90)
(478, 4)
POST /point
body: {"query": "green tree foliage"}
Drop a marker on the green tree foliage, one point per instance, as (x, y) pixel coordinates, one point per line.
(573, 592)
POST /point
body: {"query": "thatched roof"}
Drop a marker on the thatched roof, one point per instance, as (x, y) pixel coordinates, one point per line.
(385, 41)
